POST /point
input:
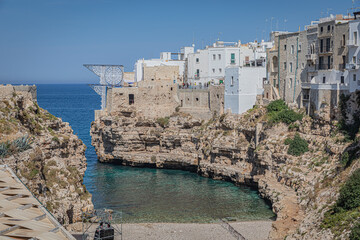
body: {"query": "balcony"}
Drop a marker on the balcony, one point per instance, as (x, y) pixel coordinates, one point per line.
(352, 66)
(326, 49)
(311, 57)
(324, 66)
(352, 43)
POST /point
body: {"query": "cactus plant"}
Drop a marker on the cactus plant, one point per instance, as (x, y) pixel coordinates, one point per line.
(22, 143)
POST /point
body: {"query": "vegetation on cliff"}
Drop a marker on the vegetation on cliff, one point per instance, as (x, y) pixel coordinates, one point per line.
(278, 111)
(297, 145)
(46, 155)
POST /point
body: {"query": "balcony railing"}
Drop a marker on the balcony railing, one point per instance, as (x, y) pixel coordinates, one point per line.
(326, 49)
(352, 66)
(324, 66)
(352, 43)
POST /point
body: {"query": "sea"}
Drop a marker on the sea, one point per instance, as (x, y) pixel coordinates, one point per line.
(145, 195)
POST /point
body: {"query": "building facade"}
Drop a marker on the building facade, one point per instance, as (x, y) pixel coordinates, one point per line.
(166, 59)
(207, 66)
(242, 87)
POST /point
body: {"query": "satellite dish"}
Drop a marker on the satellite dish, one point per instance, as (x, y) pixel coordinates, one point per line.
(113, 75)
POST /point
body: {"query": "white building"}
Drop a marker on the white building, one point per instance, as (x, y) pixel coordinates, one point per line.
(208, 65)
(242, 85)
(166, 59)
(353, 66)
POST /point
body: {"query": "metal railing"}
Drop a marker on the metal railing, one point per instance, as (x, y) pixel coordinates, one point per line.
(323, 66)
(326, 49)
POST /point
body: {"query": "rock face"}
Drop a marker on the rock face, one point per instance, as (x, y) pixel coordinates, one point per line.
(53, 166)
(244, 149)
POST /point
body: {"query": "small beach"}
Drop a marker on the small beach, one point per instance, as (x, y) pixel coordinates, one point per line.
(252, 230)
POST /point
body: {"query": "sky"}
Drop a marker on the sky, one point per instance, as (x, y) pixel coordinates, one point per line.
(48, 41)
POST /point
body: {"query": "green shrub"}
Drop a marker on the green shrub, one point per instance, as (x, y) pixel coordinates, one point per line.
(276, 106)
(286, 116)
(294, 126)
(288, 141)
(345, 158)
(355, 232)
(298, 146)
(350, 193)
(163, 122)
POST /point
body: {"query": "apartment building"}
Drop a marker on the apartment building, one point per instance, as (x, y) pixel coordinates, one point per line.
(312, 67)
(207, 66)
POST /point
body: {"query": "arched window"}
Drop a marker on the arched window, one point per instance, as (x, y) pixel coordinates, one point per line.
(274, 63)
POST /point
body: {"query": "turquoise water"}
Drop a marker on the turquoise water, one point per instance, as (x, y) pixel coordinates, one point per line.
(148, 195)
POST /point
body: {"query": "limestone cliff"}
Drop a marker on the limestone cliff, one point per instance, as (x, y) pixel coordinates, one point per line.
(244, 149)
(44, 153)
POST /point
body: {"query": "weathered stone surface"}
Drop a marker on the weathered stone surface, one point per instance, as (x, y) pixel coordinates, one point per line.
(54, 166)
(243, 149)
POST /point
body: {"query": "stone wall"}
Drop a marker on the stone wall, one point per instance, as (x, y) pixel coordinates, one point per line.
(202, 103)
(153, 99)
(161, 73)
(8, 91)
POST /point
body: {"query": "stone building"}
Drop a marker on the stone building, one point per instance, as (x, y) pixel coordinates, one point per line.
(158, 95)
(310, 67)
(286, 65)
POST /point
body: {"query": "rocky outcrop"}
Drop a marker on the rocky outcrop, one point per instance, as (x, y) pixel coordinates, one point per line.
(53, 164)
(243, 149)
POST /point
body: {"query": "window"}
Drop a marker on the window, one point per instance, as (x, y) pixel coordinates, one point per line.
(299, 47)
(291, 67)
(292, 49)
(197, 99)
(214, 57)
(321, 29)
(131, 99)
(342, 80)
(343, 40)
(354, 77)
(197, 60)
(328, 45)
(324, 79)
(219, 56)
(284, 65)
(285, 47)
(232, 81)
(328, 28)
(355, 38)
(354, 60)
(197, 73)
(232, 60)
(322, 45)
(220, 70)
(290, 83)
(213, 70)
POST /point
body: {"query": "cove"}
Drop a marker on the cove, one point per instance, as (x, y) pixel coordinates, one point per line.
(144, 194)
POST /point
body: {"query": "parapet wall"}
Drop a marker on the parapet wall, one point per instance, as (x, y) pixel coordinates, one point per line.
(202, 103)
(8, 91)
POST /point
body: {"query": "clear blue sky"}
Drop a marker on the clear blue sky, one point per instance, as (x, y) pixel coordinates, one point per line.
(47, 41)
